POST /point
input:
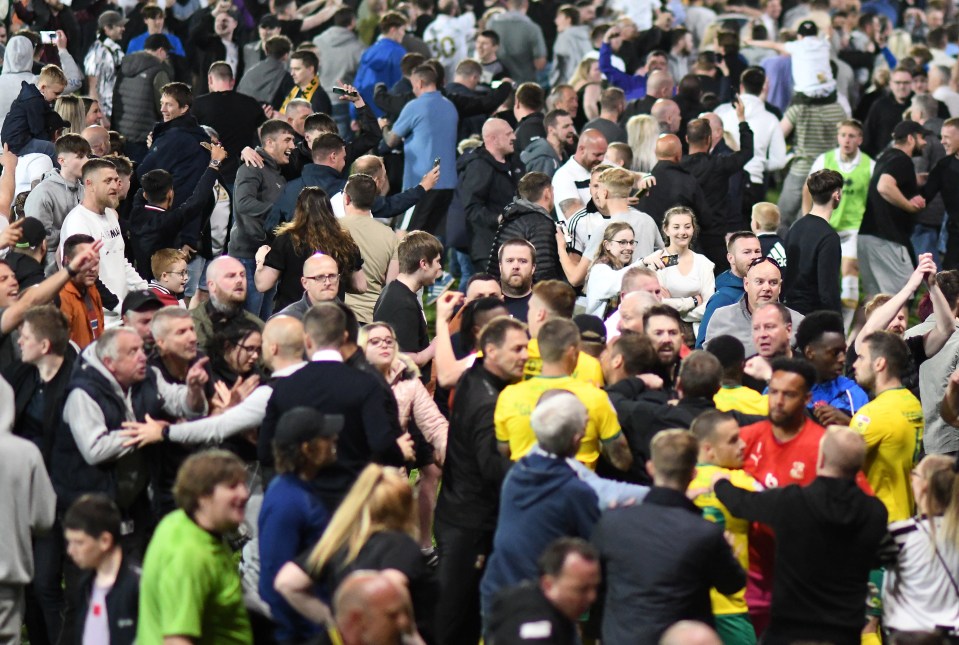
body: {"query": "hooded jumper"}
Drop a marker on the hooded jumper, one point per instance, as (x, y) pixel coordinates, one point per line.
(528, 221)
(176, 149)
(18, 67)
(50, 202)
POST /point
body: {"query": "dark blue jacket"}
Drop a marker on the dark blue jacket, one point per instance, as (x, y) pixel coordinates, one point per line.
(27, 118)
(313, 174)
(122, 604)
(176, 149)
(542, 499)
(729, 289)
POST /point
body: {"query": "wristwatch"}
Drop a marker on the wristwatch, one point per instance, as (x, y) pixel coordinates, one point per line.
(165, 433)
(215, 164)
(72, 272)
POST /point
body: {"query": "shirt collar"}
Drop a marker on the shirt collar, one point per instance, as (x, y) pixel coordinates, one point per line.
(327, 355)
(289, 369)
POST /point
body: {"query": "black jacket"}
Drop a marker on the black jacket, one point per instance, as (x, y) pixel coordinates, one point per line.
(515, 608)
(635, 404)
(474, 470)
(235, 117)
(883, 116)
(208, 48)
(28, 271)
(466, 106)
(827, 540)
(527, 221)
(176, 149)
(486, 187)
(675, 186)
(530, 127)
(713, 173)
(152, 229)
(664, 572)
(122, 604)
(370, 428)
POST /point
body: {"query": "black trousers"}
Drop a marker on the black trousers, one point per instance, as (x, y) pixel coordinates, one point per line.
(463, 553)
(429, 212)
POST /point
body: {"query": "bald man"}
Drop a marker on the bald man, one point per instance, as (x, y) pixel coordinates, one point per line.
(827, 541)
(226, 283)
(571, 180)
(489, 178)
(374, 608)
(667, 114)
(690, 632)
(282, 353)
(659, 85)
(99, 139)
(320, 282)
(674, 185)
(386, 206)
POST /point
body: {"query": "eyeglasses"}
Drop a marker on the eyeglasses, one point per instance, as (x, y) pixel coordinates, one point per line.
(182, 274)
(386, 341)
(624, 242)
(326, 277)
(251, 349)
(765, 258)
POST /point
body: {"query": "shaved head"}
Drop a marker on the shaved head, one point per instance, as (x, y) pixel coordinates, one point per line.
(319, 263)
(660, 84)
(669, 148)
(99, 139)
(667, 113)
(495, 127)
(715, 126)
(591, 148)
(286, 333)
(842, 452)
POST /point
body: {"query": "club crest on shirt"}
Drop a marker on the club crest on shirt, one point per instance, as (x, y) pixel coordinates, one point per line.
(798, 470)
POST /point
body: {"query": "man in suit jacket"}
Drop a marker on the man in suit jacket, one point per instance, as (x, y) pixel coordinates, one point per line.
(371, 430)
(675, 186)
(664, 573)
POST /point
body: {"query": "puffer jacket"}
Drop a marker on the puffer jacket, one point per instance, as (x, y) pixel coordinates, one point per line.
(486, 187)
(415, 403)
(136, 98)
(528, 221)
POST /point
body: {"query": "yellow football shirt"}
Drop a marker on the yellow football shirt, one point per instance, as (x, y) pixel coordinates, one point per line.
(714, 511)
(892, 425)
(741, 399)
(587, 369)
(516, 403)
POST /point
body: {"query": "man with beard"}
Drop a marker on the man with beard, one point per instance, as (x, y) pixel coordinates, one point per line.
(96, 216)
(571, 180)
(227, 282)
(663, 325)
(762, 283)
(548, 153)
(473, 474)
(885, 246)
(821, 340)
(813, 249)
(517, 262)
(742, 248)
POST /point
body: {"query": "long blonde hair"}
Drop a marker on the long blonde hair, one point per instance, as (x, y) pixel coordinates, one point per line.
(71, 108)
(381, 499)
(642, 131)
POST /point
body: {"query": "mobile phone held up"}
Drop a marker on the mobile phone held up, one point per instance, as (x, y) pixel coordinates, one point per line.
(670, 260)
(48, 37)
(436, 162)
(343, 91)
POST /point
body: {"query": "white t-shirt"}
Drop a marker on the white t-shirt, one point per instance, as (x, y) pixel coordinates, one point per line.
(219, 218)
(700, 280)
(812, 75)
(639, 11)
(587, 231)
(602, 283)
(448, 38)
(570, 181)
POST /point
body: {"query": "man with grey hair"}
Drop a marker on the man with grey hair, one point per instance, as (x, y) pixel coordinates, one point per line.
(227, 283)
(542, 497)
(631, 310)
(114, 385)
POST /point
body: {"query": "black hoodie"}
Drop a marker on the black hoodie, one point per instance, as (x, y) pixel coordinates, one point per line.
(827, 540)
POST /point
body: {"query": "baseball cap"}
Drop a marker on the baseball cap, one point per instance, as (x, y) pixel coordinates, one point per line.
(110, 19)
(33, 233)
(302, 423)
(140, 300)
(591, 328)
(807, 28)
(269, 21)
(905, 128)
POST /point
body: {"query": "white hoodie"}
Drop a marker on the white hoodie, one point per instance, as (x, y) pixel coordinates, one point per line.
(768, 142)
(116, 272)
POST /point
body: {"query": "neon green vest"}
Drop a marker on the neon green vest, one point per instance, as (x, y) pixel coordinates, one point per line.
(853, 203)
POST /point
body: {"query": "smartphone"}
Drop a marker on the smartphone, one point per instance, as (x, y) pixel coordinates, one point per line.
(48, 37)
(436, 162)
(343, 91)
(670, 260)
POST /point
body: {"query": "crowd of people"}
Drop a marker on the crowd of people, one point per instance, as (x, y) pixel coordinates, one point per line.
(697, 382)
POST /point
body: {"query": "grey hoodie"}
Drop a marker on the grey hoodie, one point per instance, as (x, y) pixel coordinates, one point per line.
(539, 156)
(29, 503)
(340, 51)
(50, 202)
(18, 66)
(570, 48)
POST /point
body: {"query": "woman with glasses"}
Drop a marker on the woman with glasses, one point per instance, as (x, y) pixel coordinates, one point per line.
(417, 409)
(688, 276)
(374, 529)
(605, 277)
(235, 351)
(921, 591)
(314, 229)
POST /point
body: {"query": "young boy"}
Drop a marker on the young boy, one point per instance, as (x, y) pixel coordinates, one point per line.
(765, 223)
(109, 592)
(813, 81)
(170, 276)
(31, 123)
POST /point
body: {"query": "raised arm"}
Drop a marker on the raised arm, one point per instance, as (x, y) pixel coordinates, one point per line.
(884, 315)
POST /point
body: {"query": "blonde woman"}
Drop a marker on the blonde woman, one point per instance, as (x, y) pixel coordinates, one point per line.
(588, 83)
(642, 131)
(72, 110)
(689, 276)
(374, 528)
(614, 256)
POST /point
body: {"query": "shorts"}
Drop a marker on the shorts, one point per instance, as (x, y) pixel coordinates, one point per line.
(848, 241)
(735, 629)
(884, 266)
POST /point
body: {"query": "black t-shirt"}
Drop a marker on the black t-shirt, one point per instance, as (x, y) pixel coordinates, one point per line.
(811, 280)
(518, 308)
(882, 219)
(401, 308)
(285, 258)
(524, 615)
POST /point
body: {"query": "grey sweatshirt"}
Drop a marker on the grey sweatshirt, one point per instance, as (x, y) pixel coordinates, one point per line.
(50, 202)
(28, 505)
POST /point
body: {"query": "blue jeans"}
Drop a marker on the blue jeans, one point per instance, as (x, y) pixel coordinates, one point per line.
(461, 261)
(341, 115)
(925, 239)
(258, 304)
(197, 279)
(39, 146)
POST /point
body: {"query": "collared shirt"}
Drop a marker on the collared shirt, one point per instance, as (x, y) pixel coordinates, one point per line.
(102, 61)
(329, 355)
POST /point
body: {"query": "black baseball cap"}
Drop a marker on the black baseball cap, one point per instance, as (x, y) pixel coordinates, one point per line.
(158, 41)
(269, 21)
(591, 328)
(905, 128)
(302, 424)
(140, 300)
(807, 28)
(33, 233)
